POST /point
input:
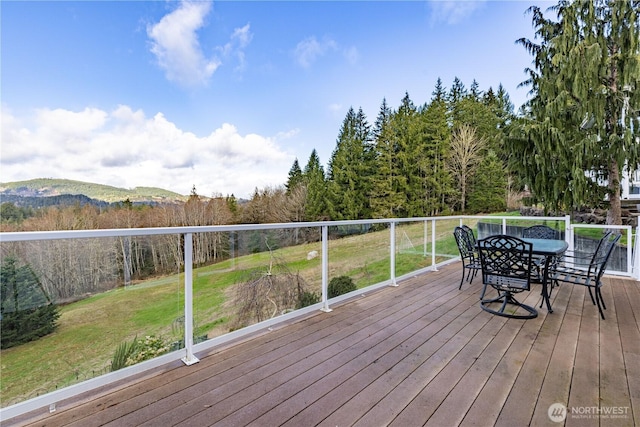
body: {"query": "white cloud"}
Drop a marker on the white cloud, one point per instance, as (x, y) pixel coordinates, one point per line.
(127, 149)
(310, 49)
(175, 43)
(240, 39)
(453, 11)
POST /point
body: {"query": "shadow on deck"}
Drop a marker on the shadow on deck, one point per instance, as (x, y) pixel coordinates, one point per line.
(422, 353)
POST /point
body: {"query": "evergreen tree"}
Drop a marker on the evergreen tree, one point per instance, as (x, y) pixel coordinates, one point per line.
(474, 91)
(439, 94)
(489, 98)
(316, 207)
(26, 310)
(350, 169)
(295, 177)
(384, 198)
(457, 92)
(583, 121)
(489, 186)
(436, 177)
(406, 135)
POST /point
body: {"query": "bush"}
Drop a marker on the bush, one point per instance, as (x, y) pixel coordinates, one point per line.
(340, 285)
(130, 353)
(26, 311)
(307, 298)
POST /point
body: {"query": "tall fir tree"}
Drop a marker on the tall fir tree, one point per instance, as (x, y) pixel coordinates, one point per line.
(295, 177)
(583, 122)
(406, 135)
(350, 169)
(437, 179)
(384, 198)
(439, 93)
(316, 207)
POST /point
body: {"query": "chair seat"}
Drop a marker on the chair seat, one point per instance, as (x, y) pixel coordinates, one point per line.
(576, 276)
(511, 284)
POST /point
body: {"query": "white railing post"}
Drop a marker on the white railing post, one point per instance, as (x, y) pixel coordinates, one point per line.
(424, 238)
(433, 245)
(635, 272)
(392, 254)
(325, 268)
(189, 358)
(504, 225)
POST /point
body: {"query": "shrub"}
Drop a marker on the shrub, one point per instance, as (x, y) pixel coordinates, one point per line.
(307, 298)
(340, 285)
(130, 353)
(26, 311)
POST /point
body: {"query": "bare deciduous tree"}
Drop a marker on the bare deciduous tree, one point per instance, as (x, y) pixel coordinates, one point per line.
(466, 147)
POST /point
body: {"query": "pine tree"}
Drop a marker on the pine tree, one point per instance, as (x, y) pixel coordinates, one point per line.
(350, 169)
(295, 177)
(26, 310)
(316, 207)
(437, 179)
(384, 199)
(474, 91)
(439, 94)
(406, 136)
(489, 186)
(583, 118)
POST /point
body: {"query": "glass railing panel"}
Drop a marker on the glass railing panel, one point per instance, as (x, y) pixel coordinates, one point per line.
(359, 252)
(106, 294)
(446, 247)
(413, 246)
(261, 274)
(585, 242)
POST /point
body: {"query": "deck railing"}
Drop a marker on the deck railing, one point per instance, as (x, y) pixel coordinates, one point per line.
(268, 266)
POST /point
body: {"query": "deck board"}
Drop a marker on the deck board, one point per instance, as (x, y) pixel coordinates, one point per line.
(422, 353)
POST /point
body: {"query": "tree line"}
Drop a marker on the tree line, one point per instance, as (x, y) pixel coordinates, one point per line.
(441, 157)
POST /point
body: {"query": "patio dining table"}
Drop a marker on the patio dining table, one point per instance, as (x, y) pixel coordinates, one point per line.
(547, 248)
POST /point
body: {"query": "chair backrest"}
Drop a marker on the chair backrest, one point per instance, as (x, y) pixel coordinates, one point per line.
(603, 253)
(465, 246)
(540, 232)
(506, 260)
(470, 234)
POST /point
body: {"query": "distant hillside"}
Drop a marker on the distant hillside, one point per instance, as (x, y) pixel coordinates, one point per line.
(45, 187)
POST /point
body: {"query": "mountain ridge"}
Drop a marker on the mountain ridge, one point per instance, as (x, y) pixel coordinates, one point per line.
(48, 187)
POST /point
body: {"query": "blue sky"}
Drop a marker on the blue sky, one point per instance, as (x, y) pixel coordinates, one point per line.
(225, 95)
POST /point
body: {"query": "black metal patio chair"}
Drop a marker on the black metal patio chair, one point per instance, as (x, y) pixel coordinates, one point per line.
(542, 232)
(468, 255)
(506, 266)
(588, 270)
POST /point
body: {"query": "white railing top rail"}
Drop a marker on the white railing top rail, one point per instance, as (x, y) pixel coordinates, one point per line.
(19, 236)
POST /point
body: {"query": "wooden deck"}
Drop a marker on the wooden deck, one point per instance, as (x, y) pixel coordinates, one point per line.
(422, 353)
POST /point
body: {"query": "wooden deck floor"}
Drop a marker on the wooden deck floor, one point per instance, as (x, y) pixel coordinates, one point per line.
(423, 353)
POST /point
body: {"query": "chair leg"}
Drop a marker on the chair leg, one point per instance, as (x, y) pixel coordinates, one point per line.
(600, 301)
(484, 289)
(591, 295)
(461, 280)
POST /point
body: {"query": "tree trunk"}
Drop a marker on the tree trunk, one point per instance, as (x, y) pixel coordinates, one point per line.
(614, 215)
